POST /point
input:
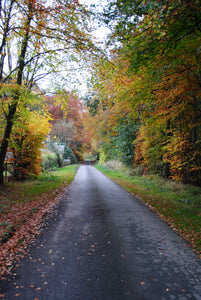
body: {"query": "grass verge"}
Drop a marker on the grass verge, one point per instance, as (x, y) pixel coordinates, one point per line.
(177, 204)
(22, 207)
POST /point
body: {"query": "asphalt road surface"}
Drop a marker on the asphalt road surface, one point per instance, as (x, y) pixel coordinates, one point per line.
(103, 244)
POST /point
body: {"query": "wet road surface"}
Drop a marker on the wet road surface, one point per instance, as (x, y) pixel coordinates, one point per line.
(104, 244)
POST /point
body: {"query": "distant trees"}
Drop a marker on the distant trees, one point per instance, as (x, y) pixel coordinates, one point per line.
(67, 112)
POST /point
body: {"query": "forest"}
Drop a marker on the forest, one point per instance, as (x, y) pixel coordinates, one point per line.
(142, 106)
(145, 103)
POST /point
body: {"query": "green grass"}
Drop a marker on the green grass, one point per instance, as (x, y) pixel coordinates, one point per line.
(177, 204)
(49, 181)
(23, 191)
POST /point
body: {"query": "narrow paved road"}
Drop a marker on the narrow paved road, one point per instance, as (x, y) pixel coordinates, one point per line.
(105, 245)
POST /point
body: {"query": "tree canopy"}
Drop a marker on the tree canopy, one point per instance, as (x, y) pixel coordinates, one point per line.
(152, 81)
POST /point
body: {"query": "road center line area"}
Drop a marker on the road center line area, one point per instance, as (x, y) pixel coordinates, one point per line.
(104, 244)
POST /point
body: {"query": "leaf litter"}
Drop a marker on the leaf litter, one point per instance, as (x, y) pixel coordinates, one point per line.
(21, 224)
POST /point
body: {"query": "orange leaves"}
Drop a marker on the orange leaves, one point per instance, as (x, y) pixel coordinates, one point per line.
(183, 158)
(177, 112)
(67, 121)
(26, 218)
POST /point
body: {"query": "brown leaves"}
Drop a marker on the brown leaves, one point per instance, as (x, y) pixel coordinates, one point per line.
(27, 219)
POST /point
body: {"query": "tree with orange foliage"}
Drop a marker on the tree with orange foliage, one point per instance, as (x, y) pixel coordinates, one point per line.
(160, 45)
(67, 112)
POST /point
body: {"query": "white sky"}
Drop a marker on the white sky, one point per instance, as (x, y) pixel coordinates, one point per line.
(101, 32)
(79, 78)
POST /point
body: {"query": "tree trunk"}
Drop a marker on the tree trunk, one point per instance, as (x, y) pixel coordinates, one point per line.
(13, 106)
(4, 144)
(4, 37)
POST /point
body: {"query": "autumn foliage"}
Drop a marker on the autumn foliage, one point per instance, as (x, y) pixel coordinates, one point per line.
(151, 82)
(27, 142)
(67, 113)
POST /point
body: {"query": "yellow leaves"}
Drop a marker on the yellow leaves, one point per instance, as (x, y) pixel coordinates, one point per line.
(29, 132)
(7, 94)
(10, 89)
(39, 123)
